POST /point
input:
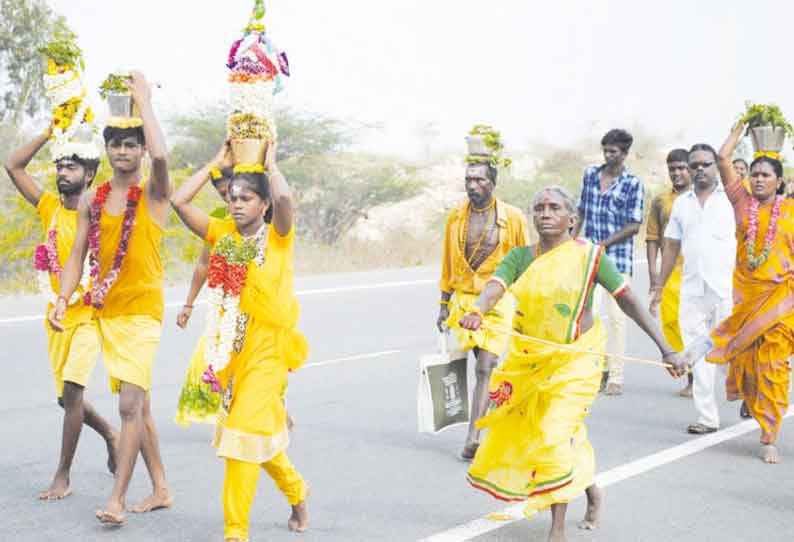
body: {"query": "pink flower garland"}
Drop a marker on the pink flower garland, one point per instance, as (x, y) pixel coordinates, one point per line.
(753, 261)
(46, 258)
(101, 287)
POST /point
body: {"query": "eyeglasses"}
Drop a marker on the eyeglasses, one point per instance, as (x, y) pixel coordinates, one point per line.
(699, 165)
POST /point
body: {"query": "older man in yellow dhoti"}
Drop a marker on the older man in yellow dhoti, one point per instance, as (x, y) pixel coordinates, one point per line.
(478, 234)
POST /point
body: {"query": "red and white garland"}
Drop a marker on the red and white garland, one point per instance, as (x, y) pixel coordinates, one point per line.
(226, 275)
(101, 286)
(46, 261)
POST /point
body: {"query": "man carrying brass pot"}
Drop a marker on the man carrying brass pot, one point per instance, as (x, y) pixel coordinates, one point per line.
(478, 235)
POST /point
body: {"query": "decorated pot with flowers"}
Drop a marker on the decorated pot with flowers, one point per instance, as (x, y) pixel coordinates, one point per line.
(767, 127)
(257, 69)
(63, 84)
(485, 146)
(121, 107)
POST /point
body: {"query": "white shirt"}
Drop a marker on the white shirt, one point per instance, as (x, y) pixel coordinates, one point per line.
(708, 242)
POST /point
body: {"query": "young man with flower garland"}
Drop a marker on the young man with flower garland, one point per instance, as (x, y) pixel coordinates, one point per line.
(120, 227)
(252, 343)
(478, 235)
(757, 339)
(701, 228)
(73, 353)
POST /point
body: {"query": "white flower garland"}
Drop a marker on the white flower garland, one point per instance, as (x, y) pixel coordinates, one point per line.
(255, 98)
(59, 134)
(72, 89)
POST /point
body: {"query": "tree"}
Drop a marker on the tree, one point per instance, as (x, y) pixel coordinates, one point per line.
(25, 25)
(333, 189)
(336, 190)
(199, 134)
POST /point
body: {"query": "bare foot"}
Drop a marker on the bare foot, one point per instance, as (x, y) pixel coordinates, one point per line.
(155, 501)
(769, 454)
(59, 489)
(113, 514)
(686, 392)
(299, 519)
(112, 445)
(595, 498)
(614, 389)
(469, 451)
(557, 536)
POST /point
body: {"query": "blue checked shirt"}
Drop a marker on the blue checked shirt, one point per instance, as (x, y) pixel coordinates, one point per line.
(604, 214)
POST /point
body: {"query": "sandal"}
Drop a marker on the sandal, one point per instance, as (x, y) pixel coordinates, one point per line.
(469, 451)
(744, 412)
(700, 429)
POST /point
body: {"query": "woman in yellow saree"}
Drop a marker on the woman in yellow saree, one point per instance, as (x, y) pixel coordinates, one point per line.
(536, 448)
(758, 338)
(251, 340)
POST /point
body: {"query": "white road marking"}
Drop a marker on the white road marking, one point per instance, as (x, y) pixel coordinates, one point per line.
(299, 293)
(483, 525)
(352, 358)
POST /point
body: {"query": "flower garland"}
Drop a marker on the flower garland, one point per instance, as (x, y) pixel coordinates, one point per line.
(101, 286)
(226, 275)
(45, 261)
(753, 261)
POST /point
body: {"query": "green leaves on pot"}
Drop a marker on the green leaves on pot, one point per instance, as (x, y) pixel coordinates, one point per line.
(765, 115)
(63, 50)
(114, 84)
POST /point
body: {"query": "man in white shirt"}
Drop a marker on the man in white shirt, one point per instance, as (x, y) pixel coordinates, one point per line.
(702, 227)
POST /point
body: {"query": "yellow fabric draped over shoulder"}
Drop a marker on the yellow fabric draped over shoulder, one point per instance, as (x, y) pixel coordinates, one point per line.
(54, 215)
(536, 448)
(758, 337)
(252, 427)
(138, 290)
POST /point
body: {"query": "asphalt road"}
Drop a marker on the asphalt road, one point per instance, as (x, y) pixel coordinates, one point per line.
(372, 476)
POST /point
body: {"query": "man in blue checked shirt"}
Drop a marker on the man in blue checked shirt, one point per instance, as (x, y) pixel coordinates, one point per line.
(610, 212)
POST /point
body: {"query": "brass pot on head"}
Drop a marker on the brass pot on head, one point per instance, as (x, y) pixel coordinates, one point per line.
(768, 138)
(249, 151)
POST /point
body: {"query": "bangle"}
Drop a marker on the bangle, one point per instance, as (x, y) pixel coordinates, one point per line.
(187, 306)
(444, 302)
(62, 298)
(477, 311)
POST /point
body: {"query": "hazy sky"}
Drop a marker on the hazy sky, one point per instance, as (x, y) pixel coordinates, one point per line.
(549, 71)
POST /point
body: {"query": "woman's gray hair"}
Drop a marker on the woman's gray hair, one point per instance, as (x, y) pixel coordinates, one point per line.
(570, 204)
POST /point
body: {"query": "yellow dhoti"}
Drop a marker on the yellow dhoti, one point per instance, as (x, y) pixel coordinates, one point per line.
(73, 353)
(129, 345)
(671, 300)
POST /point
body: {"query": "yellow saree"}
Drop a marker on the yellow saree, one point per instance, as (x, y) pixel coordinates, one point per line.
(758, 337)
(536, 449)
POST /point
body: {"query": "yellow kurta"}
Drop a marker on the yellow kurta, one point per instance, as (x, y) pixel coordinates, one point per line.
(658, 217)
(138, 290)
(465, 283)
(72, 352)
(757, 339)
(536, 448)
(254, 429)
